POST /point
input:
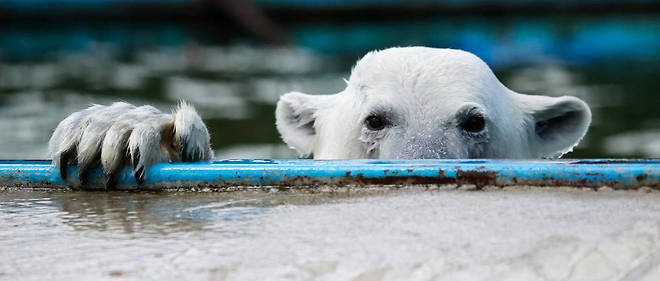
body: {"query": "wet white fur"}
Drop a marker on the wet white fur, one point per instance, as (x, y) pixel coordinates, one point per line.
(114, 134)
(425, 88)
(190, 130)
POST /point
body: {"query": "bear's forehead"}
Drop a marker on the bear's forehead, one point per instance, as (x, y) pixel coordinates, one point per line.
(423, 75)
(420, 68)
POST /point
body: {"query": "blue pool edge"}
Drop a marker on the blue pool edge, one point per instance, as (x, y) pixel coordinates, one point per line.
(243, 174)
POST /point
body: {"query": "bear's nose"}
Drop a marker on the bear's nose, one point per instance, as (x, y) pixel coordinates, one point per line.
(424, 146)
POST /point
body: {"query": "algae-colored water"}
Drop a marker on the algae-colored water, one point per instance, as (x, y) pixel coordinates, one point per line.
(235, 89)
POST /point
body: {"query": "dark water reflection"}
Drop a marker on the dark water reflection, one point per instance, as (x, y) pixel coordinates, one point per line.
(156, 213)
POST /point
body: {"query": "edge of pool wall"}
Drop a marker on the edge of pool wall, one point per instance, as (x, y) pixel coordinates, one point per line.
(248, 174)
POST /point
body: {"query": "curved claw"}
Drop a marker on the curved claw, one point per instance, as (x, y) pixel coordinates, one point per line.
(110, 181)
(135, 157)
(139, 174)
(83, 174)
(138, 169)
(63, 162)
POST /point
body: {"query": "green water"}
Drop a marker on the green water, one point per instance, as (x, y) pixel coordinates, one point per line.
(235, 89)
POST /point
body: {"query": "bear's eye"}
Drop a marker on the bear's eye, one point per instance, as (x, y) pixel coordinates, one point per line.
(375, 122)
(474, 123)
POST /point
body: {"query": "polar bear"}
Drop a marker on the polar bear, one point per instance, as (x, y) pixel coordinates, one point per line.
(399, 103)
(418, 102)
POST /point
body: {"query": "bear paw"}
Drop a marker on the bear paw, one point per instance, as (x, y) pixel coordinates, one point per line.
(121, 134)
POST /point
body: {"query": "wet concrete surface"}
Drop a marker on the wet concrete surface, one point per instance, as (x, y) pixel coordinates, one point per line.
(401, 234)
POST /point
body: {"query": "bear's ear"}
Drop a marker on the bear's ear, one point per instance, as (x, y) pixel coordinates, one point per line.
(557, 123)
(295, 117)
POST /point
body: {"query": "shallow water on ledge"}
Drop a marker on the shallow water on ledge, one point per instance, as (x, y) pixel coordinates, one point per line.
(377, 235)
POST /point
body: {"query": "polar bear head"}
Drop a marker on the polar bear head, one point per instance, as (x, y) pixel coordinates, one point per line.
(419, 102)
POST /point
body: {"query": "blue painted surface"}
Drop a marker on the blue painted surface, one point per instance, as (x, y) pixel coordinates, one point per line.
(616, 173)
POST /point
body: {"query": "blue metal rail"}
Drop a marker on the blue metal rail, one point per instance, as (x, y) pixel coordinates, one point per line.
(243, 174)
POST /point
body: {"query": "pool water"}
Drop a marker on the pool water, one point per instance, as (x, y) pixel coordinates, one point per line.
(235, 89)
